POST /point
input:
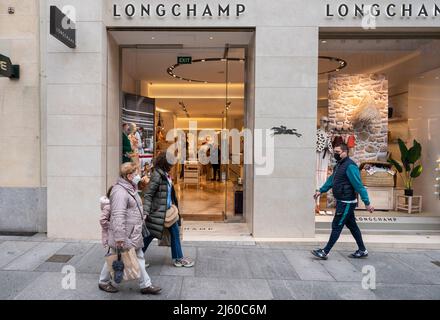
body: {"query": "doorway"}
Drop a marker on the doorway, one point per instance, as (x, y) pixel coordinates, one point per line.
(193, 82)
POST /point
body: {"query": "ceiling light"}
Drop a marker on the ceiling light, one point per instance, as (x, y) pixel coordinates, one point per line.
(170, 70)
(323, 41)
(210, 38)
(152, 38)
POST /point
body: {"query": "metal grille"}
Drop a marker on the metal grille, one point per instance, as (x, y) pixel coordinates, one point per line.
(60, 258)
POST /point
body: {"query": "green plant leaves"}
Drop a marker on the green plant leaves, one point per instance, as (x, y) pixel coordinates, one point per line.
(404, 154)
(414, 153)
(395, 164)
(417, 171)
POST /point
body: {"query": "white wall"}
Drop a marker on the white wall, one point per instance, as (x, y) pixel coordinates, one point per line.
(424, 124)
(76, 124)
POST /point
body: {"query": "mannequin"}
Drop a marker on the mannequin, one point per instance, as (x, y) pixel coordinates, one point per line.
(324, 152)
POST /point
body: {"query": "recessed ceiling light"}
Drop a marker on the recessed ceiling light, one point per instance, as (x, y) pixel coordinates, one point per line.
(323, 41)
(152, 38)
(210, 38)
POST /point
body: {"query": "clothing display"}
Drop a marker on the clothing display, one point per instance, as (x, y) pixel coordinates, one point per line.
(323, 153)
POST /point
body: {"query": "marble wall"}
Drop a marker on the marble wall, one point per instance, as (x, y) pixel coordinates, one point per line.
(347, 93)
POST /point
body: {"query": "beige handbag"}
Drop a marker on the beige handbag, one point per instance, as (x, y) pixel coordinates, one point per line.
(171, 216)
(131, 264)
(166, 237)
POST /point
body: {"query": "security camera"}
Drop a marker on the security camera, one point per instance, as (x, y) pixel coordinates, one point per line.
(11, 10)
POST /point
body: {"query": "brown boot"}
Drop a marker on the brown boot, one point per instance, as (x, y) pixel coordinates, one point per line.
(107, 288)
(151, 290)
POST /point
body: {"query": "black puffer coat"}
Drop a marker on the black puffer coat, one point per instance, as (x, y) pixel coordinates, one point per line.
(155, 202)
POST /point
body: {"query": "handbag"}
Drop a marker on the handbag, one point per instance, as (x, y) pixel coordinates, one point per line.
(129, 259)
(166, 236)
(171, 216)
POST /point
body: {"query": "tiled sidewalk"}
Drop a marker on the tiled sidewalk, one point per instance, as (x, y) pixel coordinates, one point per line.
(222, 271)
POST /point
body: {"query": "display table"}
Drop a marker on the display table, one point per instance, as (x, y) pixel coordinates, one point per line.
(381, 198)
(409, 204)
(191, 174)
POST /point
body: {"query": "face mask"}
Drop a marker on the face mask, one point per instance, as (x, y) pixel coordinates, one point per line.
(337, 157)
(137, 178)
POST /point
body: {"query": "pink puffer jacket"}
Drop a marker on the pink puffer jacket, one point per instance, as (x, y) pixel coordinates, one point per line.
(104, 220)
(127, 216)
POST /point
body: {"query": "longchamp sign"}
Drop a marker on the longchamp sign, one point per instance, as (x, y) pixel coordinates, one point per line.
(178, 10)
(390, 10)
(62, 28)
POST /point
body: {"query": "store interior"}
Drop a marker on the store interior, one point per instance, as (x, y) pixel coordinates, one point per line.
(179, 79)
(371, 93)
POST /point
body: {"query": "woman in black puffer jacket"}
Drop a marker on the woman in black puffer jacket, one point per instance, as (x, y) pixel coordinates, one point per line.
(158, 198)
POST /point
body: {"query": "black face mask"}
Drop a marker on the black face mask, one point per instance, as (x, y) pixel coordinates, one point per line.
(337, 157)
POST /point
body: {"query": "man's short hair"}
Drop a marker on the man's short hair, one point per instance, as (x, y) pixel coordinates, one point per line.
(343, 146)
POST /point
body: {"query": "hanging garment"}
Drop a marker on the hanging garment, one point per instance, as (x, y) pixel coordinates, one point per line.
(351, 141)
(323, 141)
(322, 164)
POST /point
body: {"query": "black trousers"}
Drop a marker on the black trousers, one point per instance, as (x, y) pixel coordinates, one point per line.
(345, 216)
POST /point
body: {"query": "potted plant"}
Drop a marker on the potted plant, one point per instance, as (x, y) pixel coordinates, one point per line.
(409, 168)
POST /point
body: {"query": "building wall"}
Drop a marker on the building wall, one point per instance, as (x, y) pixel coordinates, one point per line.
(79, 135)
(76, 124)
(22, 193)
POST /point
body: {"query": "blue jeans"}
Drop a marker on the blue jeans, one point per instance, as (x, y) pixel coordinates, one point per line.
(176, 247)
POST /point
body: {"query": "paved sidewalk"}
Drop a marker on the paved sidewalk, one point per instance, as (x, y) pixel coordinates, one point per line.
(223, 271)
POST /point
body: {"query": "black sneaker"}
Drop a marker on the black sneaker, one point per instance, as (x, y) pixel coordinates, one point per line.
(359, 254)
(320, 253)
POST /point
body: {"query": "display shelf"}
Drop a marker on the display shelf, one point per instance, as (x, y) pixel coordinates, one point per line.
(396, 120)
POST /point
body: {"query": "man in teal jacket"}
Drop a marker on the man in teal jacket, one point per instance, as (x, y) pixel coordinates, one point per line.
(346, 183)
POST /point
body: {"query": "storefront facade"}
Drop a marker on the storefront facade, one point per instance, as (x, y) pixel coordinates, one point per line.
(65, 107)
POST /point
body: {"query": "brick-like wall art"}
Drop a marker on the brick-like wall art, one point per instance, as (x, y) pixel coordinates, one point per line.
(358, 105)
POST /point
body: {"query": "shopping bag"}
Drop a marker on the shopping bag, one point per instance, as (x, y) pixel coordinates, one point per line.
(131, 264)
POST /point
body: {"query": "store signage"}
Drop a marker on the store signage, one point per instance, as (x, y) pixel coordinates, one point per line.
(390, 10)
(283, 130)
(378, 219)
(7, 69)
(184, 60)
(178, 10)
(62, 27)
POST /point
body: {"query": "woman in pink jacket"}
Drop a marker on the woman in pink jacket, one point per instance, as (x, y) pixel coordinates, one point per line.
(121, 220)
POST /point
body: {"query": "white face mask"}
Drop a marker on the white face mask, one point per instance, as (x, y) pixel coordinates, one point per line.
(136, 179)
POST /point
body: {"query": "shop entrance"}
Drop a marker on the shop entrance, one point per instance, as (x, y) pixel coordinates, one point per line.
(189, 86)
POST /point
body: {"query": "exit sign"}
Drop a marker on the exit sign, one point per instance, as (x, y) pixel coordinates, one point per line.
(184, 60)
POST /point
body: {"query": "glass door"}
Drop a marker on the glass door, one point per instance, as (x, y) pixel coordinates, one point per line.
(233, 124)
